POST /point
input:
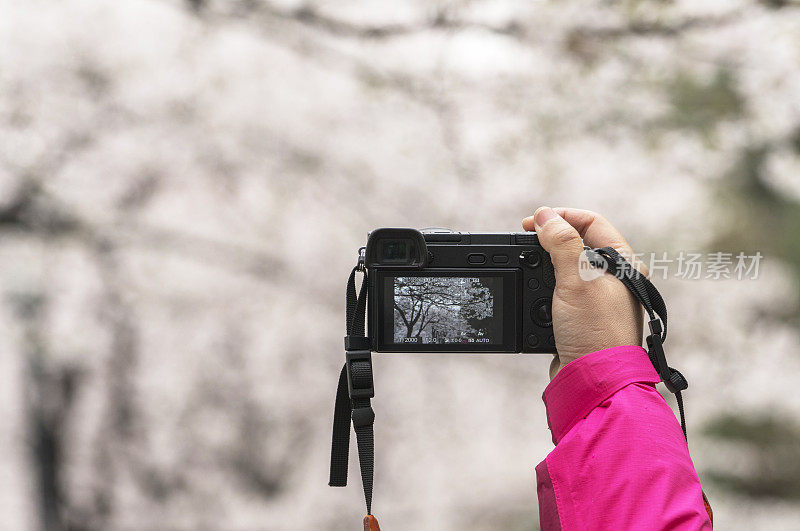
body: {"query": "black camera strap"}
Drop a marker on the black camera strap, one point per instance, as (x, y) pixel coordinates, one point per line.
(353, 396)
(649, 297)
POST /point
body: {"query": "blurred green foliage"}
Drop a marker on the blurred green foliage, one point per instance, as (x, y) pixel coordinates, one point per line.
(699, 104)
(760, 218)
(773, 443)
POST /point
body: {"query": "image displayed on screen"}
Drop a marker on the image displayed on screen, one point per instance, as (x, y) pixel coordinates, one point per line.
(447, 310)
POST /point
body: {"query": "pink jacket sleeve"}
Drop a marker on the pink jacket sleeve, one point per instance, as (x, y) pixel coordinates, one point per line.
(620, 461)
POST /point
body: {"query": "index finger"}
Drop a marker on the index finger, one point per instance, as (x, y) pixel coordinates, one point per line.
(595, 230)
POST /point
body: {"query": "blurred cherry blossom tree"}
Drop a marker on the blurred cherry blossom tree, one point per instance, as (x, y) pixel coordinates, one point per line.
(184, 186)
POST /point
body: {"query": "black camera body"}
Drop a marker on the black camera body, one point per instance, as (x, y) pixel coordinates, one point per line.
(443, 291)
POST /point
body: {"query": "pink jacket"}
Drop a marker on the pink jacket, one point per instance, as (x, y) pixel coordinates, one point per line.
(620, 461)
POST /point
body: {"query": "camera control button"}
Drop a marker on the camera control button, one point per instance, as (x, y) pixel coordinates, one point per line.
(476, 258)
(541, 312)
(500, 259)
(532, 340)
(530, 258)
(533, 284)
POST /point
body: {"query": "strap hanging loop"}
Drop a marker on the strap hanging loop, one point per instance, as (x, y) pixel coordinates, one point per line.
(649, 297)
(353, 395)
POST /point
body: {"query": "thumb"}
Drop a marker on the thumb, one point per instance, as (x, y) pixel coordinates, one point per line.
(561, 240)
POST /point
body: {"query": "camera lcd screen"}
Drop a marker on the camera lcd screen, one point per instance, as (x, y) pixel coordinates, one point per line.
(445, 310)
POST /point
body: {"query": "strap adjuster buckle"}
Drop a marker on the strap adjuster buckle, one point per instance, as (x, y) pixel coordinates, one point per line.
(359, 385)
(673, 380)
(363, 416)
(655, 327)
(356, 343)
(656, 351)
(677, 381)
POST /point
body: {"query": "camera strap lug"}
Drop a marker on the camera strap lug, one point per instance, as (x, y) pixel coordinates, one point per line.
(362, 254)
(353, 395)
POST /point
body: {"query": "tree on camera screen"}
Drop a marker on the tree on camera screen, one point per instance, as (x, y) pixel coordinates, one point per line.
(446, 310)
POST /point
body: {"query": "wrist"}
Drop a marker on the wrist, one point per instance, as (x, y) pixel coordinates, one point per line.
(559, 362)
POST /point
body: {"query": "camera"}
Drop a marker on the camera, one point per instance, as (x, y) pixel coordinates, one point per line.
(443, 291)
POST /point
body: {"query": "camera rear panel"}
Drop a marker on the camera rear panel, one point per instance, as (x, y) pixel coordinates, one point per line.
(476, 292)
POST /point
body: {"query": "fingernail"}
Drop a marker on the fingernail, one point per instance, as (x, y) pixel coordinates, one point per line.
(542, 215)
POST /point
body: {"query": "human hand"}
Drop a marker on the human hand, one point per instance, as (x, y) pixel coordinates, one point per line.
(588, 315)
